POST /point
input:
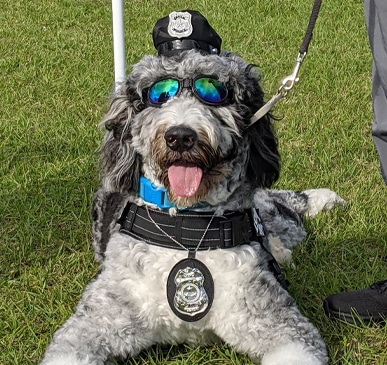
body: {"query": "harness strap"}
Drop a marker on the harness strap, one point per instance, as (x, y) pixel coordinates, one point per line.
(230, 230)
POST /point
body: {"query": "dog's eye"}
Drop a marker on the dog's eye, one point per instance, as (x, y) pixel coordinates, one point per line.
(163, 90)
(210, 90)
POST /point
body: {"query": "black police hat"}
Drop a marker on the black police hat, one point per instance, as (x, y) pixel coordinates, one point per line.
(183, 30)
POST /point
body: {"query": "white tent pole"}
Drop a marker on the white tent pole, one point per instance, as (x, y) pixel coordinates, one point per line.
(118, 42)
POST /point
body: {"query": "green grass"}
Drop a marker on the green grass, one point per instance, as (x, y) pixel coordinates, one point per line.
(56, 73)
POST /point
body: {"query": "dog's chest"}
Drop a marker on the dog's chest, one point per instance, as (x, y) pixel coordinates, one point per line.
(141, 272)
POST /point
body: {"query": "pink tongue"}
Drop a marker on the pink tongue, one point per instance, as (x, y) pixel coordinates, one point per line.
(185, 180)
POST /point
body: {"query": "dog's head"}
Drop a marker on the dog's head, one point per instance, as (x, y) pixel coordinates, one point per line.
(166, 125)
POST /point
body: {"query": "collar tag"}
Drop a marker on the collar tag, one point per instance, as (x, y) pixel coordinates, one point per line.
(152, 194)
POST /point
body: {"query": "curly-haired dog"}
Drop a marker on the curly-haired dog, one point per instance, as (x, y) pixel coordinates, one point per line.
(182, 211)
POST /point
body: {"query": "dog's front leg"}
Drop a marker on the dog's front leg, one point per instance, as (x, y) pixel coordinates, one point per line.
(106, 324)
(266, 323)
(277, 341)
(307, 202)
(282, 211)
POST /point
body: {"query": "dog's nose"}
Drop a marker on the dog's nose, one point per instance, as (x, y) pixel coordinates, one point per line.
(180, 138)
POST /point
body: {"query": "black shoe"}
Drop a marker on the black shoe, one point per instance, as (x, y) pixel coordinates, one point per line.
(360, 306)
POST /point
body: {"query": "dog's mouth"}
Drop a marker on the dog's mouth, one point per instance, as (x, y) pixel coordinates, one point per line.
(184, 179)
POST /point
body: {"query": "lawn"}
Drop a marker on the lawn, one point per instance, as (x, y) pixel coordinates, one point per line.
(56, 75)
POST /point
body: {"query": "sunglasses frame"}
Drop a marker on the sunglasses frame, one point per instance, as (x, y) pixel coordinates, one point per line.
(190, 84)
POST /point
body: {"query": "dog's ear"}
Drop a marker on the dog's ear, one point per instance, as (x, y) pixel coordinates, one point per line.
(120, 164)
(120, 167)
(264, 160)
(106, 210)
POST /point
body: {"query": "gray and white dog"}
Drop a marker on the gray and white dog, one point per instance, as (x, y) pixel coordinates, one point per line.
(183, 219)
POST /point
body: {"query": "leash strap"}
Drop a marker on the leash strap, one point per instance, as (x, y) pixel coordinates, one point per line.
(289, 81)
(266, 108)
(309, 31)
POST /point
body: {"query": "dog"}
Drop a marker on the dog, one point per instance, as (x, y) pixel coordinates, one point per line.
(185, 226)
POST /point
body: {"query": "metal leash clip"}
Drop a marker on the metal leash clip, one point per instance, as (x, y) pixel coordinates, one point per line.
(289, 81)
(286, 85)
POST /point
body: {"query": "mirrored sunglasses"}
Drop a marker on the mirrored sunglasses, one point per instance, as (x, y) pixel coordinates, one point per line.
(208, 89)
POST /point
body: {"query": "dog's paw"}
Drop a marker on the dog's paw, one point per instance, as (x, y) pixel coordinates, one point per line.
(294, 354)
(322, 200)
(66, 359)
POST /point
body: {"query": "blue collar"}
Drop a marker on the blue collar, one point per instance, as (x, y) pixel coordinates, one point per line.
(150, 193)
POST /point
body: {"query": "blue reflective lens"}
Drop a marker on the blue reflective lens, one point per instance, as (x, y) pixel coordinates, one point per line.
(206, 88)
(210, 89)
(163, 90)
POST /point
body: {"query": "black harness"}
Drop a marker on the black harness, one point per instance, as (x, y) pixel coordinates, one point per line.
(230, 230)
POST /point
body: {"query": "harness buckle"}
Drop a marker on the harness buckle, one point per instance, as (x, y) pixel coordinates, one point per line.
(235, 231)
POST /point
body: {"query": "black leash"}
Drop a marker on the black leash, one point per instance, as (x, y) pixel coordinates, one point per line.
(289, 81)
(309, 30)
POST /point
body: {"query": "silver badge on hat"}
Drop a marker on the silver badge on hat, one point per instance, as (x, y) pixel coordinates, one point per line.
(180, 24)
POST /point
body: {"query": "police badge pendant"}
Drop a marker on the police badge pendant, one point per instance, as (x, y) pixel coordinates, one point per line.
(190, 287)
